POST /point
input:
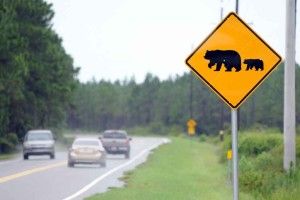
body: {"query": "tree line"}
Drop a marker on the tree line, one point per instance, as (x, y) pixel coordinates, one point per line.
(37, 76)
(100, 105)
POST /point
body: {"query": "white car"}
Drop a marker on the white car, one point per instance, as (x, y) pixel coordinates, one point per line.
(86, 151)
(38, 142)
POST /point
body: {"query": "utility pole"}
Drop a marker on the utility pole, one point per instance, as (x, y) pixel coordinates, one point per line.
(289, 159)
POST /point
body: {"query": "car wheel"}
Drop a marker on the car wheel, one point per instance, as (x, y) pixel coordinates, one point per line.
(52, 156)
(70, 164)
(127, 155)
(25, 156)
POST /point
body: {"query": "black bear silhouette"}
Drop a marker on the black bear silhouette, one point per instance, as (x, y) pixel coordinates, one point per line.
(230, 59)
(256, 63)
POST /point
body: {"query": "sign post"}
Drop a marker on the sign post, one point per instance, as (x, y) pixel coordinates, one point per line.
(234, 139)
(233, 61)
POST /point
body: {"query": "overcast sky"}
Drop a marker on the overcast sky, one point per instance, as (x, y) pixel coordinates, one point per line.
(118, 39)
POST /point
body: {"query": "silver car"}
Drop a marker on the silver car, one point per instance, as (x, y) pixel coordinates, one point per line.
(87, 151)
(39, 142)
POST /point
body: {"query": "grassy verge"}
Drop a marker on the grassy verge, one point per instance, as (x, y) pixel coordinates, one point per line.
(184, 169)
(261, 171)
(7, 156)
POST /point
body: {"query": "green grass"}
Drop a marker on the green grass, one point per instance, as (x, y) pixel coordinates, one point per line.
(291, 192)
(184, 169)
(261, 172)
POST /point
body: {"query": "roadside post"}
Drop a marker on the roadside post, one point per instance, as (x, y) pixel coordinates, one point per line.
(221, 135)
(229, 166)
(233, 61)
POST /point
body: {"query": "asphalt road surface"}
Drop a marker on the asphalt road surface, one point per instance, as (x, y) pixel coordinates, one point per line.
(40, 178)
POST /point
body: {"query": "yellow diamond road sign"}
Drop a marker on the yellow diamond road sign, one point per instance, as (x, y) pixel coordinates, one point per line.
(233, 60)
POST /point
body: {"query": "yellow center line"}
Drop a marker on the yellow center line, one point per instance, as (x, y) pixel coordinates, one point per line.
(30, 171)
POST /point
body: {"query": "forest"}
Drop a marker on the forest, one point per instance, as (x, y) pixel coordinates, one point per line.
(37, 76)
(39, 88)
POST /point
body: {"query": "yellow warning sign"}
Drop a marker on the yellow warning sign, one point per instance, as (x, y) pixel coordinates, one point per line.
(191, 125)
(233, 60)
(229, 154)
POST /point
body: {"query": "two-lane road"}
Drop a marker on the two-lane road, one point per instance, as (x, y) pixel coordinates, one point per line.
(43, 179)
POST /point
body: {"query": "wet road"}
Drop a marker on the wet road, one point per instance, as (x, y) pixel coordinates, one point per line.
(40, 178)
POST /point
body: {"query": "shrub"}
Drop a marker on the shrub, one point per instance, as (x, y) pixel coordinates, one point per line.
(250, 178)
(252, 144)
(298, 151)
(202, 138)
(255, 144)
(175, 130)
(158, 128)
(258, 177)
(8, 142)
(12, 138)
(264, 161)
(298, 129)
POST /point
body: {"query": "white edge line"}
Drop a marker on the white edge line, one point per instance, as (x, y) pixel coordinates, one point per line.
(100, 178)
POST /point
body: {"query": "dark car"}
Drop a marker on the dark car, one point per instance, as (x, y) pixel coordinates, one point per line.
(116, 142)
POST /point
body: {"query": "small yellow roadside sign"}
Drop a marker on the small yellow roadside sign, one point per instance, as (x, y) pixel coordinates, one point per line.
(191, 125)
(229, 154)
(233, 60)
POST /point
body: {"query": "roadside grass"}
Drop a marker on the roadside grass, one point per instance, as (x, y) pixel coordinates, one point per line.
(7, 156)
(184, 169)
(261, 171)
(288, 192)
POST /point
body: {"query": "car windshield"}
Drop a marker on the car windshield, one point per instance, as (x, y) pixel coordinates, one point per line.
(39, 136)
(115, 134)
(86, 143)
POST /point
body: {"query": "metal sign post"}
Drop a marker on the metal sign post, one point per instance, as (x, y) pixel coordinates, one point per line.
(234, 140)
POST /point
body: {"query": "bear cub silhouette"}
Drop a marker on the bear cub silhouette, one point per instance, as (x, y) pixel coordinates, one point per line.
(256, 63)
(230, 59)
